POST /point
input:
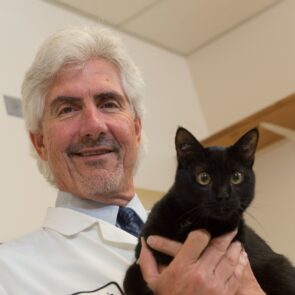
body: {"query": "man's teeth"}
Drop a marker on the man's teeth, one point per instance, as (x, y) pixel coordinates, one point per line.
(93, 153)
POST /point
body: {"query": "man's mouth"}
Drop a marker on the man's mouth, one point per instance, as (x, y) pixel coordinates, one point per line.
(89, 147)
(91, 153)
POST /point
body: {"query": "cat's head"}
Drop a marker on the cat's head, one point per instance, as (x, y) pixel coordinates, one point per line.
(219, 181)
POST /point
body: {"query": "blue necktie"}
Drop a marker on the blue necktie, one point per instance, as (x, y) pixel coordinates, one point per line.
(129, 221)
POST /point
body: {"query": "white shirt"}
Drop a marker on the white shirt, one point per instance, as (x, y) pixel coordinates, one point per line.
(73, 252)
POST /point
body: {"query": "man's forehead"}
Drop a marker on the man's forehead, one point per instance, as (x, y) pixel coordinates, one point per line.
(94, 65)
(97, 75)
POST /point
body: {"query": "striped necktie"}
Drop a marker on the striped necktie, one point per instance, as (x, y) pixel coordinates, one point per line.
(129, 221)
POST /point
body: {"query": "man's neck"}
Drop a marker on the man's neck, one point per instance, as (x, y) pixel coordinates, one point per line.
(107, 212)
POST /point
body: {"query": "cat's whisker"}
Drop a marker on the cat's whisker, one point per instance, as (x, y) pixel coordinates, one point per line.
(198, 217)
(188, 213)
(254, 218)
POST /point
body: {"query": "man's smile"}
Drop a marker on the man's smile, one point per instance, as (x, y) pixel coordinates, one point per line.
(93, 152)
(94, 148)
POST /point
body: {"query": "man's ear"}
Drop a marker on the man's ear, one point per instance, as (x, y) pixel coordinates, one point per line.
(37, 140)
(138, 127)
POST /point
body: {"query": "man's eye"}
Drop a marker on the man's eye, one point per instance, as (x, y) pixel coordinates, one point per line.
(110, 105)
(66, 110)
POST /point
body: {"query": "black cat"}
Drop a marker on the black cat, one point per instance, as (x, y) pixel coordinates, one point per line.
(213, 187)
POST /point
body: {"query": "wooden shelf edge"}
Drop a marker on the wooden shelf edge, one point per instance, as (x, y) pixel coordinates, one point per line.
(280, 113)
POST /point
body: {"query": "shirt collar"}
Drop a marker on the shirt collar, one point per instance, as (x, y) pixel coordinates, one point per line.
(98, 210)
(70, 222)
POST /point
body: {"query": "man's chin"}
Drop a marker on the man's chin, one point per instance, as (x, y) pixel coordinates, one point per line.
(99, 182)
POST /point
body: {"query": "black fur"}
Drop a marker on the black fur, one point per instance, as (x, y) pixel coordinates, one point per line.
(216, 206)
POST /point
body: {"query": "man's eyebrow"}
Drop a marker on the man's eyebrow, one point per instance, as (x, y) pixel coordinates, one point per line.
(110, 94)
(57, 101)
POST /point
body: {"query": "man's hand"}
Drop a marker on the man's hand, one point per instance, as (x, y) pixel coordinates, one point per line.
(199, 267)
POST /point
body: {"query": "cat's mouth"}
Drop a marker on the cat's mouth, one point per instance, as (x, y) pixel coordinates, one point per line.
(224, 212)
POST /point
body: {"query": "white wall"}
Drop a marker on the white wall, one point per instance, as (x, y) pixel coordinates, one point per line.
(246, 70)
(170, 100)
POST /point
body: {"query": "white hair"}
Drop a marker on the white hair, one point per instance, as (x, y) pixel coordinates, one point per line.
(75, 46)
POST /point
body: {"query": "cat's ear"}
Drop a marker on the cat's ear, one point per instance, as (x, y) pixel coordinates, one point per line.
(247, 144)
(186, 144)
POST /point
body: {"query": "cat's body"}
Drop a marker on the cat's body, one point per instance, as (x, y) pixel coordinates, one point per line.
(212, 189)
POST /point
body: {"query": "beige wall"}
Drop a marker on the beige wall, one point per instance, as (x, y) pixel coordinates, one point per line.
(246, 70)
(272, 212)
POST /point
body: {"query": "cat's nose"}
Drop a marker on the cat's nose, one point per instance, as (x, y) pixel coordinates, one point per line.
(223, 196)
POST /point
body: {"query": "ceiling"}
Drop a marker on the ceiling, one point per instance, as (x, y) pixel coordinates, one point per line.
(181, 26)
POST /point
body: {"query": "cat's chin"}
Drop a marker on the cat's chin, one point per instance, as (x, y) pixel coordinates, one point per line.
(223, 214)
(222, 222)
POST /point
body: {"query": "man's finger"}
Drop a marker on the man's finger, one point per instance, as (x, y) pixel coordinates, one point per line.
(216, 250)
(148, 264)
(164, 245)
(227, 265)
(249, 284)
(192, 248)
(234, 281)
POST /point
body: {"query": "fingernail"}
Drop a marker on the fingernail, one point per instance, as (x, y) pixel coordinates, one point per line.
(205, 232)
(231, 234)
(150, 240)
(239, 244)
(142, 240)
(244, 257)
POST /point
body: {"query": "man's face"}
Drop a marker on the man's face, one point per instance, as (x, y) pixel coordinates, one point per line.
(89, 134)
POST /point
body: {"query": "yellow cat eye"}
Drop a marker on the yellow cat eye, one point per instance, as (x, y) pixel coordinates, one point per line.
(237, 177)
(203, 178)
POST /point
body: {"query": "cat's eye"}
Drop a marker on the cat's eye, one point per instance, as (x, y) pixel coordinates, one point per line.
(203, 178)
(237, 177)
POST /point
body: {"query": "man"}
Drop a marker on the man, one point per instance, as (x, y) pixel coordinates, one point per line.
(82, 107)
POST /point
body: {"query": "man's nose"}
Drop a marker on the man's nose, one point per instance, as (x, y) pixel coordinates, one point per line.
(92, 122)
